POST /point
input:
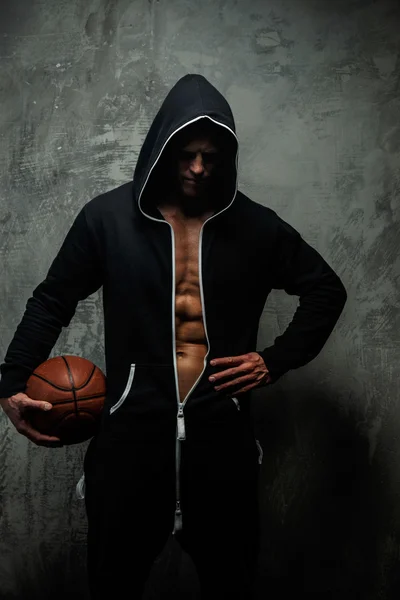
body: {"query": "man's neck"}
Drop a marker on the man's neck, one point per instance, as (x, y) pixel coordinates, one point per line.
(185, 208)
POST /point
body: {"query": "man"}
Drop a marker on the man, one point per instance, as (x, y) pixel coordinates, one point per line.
(186, 263)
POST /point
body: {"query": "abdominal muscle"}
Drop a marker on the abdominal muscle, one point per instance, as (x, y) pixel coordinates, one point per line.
(190, 335)
(191, 344)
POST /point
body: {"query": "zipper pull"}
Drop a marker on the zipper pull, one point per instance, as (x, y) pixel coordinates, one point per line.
(181, 424)
(237, 403)
(178, 517)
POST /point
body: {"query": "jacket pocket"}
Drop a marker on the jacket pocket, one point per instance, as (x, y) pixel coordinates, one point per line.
(260, 452)
(236, 403)
(127, 389)
(80, 488)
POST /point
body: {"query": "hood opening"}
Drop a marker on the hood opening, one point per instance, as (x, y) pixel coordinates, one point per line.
(163, 176)
(192, 104)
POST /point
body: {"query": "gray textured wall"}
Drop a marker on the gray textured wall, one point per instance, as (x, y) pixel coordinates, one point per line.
(315, 90)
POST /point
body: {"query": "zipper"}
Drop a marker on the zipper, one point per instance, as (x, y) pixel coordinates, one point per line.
(181, 424)
(178, 511)
(180, 419)
(181, 432)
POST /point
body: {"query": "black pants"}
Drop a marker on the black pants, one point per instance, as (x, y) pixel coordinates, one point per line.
(130, 503)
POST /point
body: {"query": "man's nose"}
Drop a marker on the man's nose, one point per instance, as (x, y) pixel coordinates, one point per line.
(197, 166)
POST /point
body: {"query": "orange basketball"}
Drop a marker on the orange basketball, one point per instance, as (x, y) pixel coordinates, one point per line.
(76, 388)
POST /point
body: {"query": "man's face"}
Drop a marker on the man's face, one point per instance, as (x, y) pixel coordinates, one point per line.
(197, 163)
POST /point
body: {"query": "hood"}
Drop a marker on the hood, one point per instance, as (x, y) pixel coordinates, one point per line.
(192, 98)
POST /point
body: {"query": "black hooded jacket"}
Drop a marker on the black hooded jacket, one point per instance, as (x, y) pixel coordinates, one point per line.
(120, 241)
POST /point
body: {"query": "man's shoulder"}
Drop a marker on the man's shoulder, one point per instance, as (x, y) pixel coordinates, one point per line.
(248, 209)
(256, 221)
(117, 201)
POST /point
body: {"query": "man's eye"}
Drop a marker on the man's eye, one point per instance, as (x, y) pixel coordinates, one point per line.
(187, 155)
(211, 157)
(208, 157)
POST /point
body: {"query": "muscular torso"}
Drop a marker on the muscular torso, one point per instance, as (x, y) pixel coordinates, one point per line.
(191, 343)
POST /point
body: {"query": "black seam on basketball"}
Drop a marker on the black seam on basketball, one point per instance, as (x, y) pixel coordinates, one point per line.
(58, 387)
(88, 379)
(60, 402)
(71, 379)
(57, 422)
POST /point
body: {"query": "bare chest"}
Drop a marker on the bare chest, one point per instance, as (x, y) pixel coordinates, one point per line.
(187, 232)
(186, 241)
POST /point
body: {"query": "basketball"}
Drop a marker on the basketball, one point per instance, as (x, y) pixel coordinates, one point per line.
(76, 388)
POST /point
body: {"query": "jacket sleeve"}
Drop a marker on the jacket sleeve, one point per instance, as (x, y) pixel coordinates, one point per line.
(74, 274)
(300, 270)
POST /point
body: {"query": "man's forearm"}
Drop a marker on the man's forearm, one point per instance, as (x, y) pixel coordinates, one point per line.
(32, 343)
(315, 318)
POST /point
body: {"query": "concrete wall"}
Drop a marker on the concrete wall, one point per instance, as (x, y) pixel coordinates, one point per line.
(314, 87)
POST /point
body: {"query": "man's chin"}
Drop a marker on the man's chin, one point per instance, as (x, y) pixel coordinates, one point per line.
(192, 195)
(192, 192)
(194, 204)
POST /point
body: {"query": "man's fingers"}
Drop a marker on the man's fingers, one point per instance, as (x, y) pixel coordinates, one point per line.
(36, 437)
(28, 404)
(17, 409)
(244, 368)
(227, 361)
(236, 381)
(21, 402)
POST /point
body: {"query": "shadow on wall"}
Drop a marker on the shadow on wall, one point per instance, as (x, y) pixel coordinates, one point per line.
(40, 572)
(324, 513)
(43, 573)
